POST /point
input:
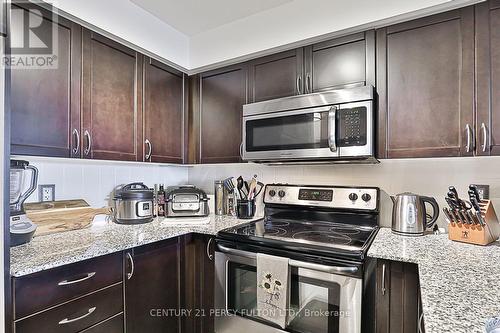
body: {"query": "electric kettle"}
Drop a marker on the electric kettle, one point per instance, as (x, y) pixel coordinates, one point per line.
(409, 215)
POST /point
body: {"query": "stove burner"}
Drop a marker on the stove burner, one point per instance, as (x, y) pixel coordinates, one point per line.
(345, 231)
(323, 237)
(271, 223)
(275, 231)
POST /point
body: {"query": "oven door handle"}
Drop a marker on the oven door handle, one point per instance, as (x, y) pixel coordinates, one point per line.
(291, 262)
(332, 140)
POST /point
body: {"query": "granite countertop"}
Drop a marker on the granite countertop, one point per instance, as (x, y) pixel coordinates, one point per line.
(460, 283)
(103, 237)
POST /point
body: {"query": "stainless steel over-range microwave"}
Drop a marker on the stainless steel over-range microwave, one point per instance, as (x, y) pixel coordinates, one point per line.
(336, 125)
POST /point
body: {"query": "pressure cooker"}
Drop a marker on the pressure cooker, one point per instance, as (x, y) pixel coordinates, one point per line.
(133, 204)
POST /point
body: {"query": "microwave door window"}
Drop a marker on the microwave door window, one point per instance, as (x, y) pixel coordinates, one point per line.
(304, 131)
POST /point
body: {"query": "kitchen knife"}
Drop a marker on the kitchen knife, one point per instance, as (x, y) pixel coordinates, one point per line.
(475, 192)
(477, 208)
(448, 215)
(462, 216)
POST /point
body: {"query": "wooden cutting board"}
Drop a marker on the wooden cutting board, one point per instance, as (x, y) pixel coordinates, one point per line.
(53, 220)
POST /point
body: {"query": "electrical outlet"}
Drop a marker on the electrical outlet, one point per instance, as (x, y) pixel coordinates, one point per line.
(484, 191)
(47, 193)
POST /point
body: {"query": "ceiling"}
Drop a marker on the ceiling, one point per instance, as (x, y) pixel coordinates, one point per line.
(192, 17)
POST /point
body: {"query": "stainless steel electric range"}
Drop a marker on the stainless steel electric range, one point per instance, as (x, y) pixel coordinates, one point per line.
(325, 231)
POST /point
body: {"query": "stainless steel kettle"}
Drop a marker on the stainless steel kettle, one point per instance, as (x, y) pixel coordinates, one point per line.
(409, 215)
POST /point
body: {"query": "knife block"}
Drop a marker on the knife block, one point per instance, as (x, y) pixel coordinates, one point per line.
(477, 234)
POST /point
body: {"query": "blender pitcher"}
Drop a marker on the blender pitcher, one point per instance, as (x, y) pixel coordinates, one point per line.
(18, 170)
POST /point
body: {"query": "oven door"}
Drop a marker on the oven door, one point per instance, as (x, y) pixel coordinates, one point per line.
(297, 134)
(320, 301)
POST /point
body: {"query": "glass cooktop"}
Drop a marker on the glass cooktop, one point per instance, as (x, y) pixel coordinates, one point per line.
(345, 237)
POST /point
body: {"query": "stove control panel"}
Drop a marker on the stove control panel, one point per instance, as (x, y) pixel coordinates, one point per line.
(359, 198)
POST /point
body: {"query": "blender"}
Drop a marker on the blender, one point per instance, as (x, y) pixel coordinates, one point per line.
(21, 227)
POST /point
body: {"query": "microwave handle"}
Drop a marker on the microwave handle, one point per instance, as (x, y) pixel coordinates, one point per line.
(332, 141)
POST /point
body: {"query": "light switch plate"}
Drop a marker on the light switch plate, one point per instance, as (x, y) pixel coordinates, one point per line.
(47, 192)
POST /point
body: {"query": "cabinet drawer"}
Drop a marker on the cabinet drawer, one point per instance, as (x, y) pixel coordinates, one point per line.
(76, 315)
(111, 325)
(45, 289)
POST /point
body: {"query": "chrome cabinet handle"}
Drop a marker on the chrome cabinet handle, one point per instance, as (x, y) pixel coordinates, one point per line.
(308, 83)
(383, 279)
(131, 273)
(332, 141)
(299, 81)
(209, 255)
(67, 282)
(89, 143)
(241, 150)
(420, 322)
(150, 150)
(468, 145)
(484, 130)
(294, 263)
(76, 135)
(67, 320)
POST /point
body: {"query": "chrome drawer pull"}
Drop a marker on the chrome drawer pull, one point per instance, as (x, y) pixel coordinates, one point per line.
(383, 280)
(68, 321)
(210, 256)
(131, 273)
(66, 282)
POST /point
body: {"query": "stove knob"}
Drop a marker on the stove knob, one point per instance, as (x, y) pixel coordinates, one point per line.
(272, 193)
(353, 197)
(281, 193)
(366, 197)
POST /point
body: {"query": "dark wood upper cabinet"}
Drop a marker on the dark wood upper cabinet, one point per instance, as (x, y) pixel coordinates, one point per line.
(341, 62)
(151, 284)
(275, 76)
(425, 75)
(45, 103)
(488, 78)
(112, 94)
(222, 94)
(163, 113)
(398, 306)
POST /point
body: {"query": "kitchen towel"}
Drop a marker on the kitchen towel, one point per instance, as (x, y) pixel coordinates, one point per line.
(272, 288)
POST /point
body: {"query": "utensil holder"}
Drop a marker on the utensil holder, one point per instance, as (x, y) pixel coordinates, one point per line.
(245, 209)
(477, 234)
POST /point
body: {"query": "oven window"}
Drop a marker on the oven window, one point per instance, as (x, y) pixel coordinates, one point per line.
(314, 304)
(304, 131)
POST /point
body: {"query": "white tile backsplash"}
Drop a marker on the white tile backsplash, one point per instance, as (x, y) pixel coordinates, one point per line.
(429, 176)
(94, 181)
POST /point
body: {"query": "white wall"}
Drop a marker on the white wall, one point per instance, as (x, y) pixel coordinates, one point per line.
(430, 176)
(94, 181)
(300, 20)
(133, 24)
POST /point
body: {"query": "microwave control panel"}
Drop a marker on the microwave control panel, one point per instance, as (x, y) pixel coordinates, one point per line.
(352, 127)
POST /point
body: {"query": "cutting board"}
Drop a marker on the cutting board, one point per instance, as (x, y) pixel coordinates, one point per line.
(52, 220)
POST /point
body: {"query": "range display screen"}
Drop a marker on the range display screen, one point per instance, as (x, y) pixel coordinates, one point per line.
(315, 195)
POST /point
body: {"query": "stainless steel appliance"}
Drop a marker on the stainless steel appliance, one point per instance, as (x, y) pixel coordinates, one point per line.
(133, 204)
(186, 201)
(409, 214)
(325, 232)
(336, 125)
(22, 228)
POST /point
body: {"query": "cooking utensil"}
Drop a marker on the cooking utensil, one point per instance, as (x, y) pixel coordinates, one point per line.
(475, 192)
(448, 215)
(240, 185)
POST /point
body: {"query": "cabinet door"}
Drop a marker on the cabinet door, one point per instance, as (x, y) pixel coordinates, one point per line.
(163, 113)
(111, 100)
(488, 77)
(425, 75)
(198, 278)
(222, 95)
(275, 76)
(152, 288)
(45, 103)
(397, 297)
(343, 62)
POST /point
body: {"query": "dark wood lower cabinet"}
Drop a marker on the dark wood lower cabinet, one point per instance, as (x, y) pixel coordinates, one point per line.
(152, 291)
(198, 273)
(397, 298)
